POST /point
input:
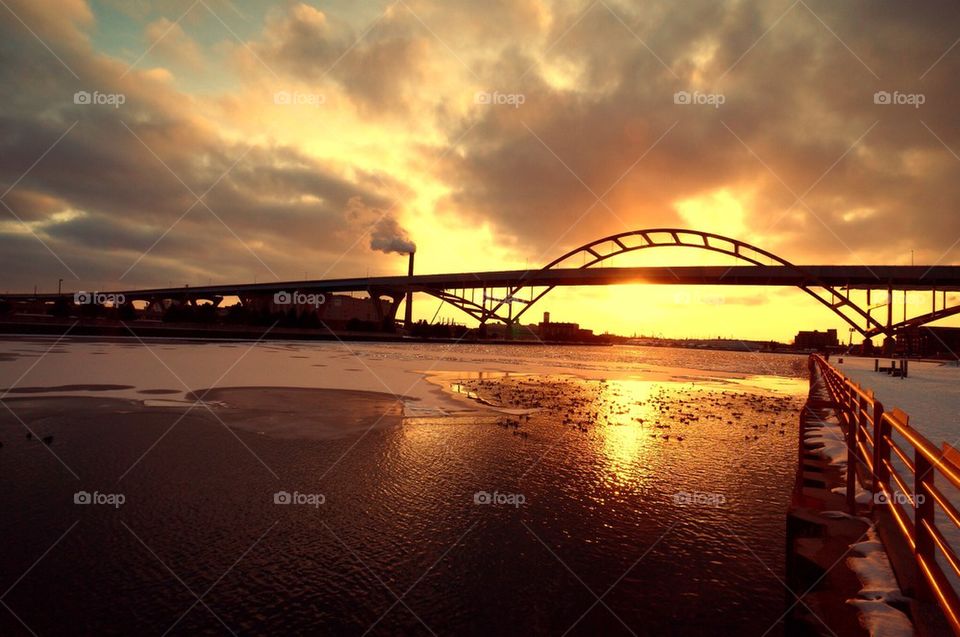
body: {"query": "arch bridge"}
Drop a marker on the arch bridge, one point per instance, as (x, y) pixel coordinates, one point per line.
(829, 285)
(492, 296)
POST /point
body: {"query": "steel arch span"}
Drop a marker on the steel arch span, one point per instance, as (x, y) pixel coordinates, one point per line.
(590, 254)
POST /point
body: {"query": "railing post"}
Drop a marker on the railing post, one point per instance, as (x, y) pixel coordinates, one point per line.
(859, 438)
(850, 421)
(881, 450)
(923, 515)
(853, 402)
(851, 472)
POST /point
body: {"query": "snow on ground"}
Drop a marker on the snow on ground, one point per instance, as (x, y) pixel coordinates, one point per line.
(930, 394)
(829, 436)
(882, 620)
(862, 497)
(163, 373)
(872, 566)
(879, 587)
(825, 432)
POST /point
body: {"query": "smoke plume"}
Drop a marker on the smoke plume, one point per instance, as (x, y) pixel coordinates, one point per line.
(388, 236)
(386, 233)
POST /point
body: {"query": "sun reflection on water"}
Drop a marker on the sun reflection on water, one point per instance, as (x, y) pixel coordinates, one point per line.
(625, 442)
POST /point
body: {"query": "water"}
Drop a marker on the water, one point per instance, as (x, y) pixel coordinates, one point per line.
(599, 497)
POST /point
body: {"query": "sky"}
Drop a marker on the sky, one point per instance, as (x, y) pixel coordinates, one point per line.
(223, 141)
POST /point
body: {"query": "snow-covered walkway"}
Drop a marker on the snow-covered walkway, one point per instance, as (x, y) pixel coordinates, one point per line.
(930, 394)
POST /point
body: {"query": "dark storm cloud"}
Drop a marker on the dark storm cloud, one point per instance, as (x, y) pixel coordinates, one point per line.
(378, 72)
(108, 184)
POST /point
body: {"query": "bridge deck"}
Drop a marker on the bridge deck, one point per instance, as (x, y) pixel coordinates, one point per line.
(918, 277)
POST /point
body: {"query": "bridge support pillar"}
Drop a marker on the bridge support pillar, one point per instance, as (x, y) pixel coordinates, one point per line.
(394, 306)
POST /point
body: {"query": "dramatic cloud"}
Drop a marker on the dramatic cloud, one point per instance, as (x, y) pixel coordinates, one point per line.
(149, 191)
(798, 118)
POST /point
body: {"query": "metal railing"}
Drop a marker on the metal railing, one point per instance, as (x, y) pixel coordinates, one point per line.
(871, 448)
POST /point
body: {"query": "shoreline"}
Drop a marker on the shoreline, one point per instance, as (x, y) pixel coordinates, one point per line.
(278, 335)
(239, 334)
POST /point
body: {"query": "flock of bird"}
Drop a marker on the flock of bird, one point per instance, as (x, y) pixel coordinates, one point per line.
(666, 408)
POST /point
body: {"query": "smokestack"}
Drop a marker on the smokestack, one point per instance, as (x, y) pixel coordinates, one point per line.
(408, 313)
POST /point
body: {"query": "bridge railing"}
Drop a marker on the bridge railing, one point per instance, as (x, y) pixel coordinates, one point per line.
(907, 480)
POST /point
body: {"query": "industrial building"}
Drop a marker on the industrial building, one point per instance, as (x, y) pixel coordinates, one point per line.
(815, 340)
